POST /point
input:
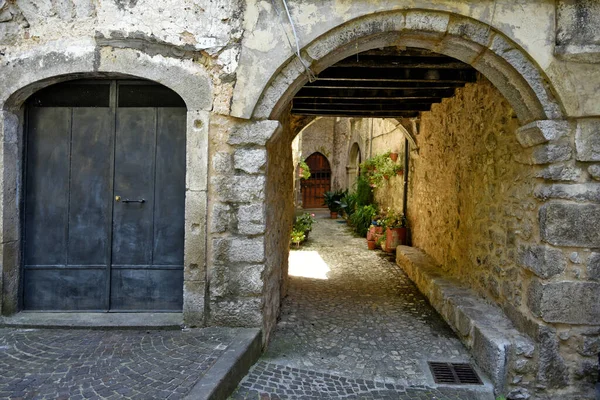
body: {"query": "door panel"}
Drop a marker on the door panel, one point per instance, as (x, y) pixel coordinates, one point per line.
(47, 187)
(66, 223)
(134, 180)
(147, 289)
(91, 186)
(170, 184)
(59, 289)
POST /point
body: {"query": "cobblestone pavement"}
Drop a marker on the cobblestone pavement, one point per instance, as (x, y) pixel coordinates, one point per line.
(92, 364)
(363, 332)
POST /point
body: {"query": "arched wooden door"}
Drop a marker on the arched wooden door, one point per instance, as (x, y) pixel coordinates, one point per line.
(319, 182)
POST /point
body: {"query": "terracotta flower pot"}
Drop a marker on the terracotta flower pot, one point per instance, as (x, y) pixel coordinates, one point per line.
(394, 237)
(333, 215)
(394, 156)
(371, 244)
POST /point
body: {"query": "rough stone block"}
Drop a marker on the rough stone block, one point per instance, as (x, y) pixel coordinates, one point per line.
(539, 132)
(490, 352)
(427, 21)
(544, 261)
(242, 189)
(247, 250)
(251, 219)
(251, 161)
(552, 371)
(594, 171)
(255, 133)
(579, 192)
(195, 228)
(222, 163)
(193, 303)
(244, 312)
(221, 218)
(196, 176)
(565, 302)
(593, 266)
(587, 140)
(470, 30)
(231, 281)
(550, 153)
(566, 224)
(560, 173)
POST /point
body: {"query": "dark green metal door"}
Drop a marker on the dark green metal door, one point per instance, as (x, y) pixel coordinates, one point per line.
(104, 198)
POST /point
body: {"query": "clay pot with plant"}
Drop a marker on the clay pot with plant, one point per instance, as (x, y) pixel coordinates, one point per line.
(332, 201)
(396, 230)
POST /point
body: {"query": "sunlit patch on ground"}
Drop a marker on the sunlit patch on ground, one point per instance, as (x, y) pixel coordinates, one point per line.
(307, 264)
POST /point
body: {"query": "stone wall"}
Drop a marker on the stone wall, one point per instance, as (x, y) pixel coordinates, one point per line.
(471, 208)
(279, 218)
(236, 266)
(388, 136)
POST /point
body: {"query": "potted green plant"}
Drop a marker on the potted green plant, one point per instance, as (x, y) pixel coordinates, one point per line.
(301, 229)
(332, 199)
(379, 169)
(395, 234)
(303, 170)
(347, 205)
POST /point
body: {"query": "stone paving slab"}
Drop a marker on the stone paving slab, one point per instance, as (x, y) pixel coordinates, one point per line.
(272, 381)
(113, 364)
(97, 320)
(354, 314)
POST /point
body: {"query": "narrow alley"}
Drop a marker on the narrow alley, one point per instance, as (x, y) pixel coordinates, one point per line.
(353, 326)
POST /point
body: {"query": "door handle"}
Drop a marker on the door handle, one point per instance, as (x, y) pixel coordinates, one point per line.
(118, 198)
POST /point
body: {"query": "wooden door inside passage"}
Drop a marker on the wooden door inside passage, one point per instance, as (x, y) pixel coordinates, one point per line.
(319, 182)
(104, 198)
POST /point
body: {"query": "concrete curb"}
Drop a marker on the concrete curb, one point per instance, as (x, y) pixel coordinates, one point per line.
(223, 377)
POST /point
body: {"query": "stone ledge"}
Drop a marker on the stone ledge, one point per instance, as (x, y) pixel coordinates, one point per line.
(484, 329)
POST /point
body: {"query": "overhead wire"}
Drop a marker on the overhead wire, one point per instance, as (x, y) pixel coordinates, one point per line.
(311, 75)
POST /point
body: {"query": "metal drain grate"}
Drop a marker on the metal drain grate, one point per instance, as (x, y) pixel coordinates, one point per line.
(454, 373)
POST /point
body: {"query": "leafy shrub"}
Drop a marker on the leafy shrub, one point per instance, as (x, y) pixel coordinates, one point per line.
(332, 199)
(364, 192)
(362, 218)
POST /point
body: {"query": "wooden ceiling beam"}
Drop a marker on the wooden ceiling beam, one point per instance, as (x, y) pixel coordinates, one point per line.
(395, 92)
(416, 74)
(365, 114)
(398, 106)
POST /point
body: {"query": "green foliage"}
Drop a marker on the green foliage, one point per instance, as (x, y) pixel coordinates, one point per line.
(302, 226)
(347, 204)
(379, 168)
(361, 219)
(298, 237)
(364, 192)
(305, 169)
(304, 222)
(332, 199)
(394, 219)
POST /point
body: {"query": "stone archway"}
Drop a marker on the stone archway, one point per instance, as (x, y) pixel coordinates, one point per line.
(26, 77)
(544, 135)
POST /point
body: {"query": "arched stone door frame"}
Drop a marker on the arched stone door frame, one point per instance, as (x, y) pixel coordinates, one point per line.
(353, 167)
(29, 74)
